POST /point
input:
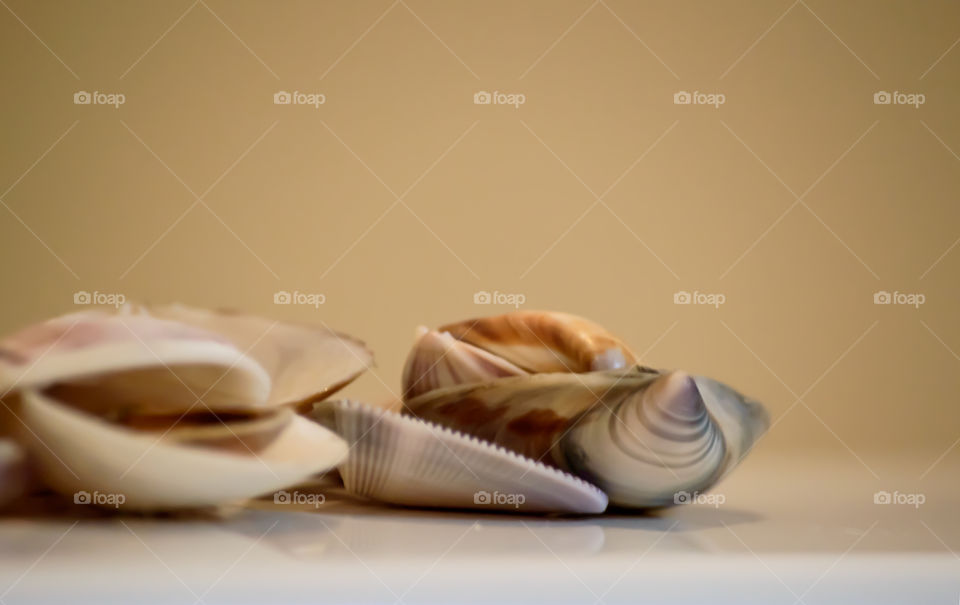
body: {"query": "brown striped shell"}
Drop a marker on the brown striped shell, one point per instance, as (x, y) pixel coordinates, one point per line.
(642, 435)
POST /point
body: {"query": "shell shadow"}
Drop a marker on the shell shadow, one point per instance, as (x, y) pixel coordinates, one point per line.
(680, 518)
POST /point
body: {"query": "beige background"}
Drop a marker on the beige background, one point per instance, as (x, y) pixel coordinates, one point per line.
(399, 198)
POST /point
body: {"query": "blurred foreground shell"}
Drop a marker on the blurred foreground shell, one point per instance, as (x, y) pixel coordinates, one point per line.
(404, 460)
(642, 435)
(172, 407)
(13, 471)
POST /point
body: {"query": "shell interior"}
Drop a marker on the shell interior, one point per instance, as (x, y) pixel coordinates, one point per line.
(306, 363)
(114, 362)
(78, 452)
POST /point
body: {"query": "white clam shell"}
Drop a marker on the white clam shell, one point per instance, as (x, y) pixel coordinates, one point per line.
(77, 452)
(403, 460)
(173, 407)
(650, 445)
(132, 361)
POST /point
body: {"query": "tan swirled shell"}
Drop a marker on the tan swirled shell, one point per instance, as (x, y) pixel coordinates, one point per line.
(514, 344)
(544, 341)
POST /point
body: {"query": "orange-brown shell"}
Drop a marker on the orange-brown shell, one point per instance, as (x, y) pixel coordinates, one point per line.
(545, 341)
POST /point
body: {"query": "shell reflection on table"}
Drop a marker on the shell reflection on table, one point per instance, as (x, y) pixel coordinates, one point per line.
(786, 529)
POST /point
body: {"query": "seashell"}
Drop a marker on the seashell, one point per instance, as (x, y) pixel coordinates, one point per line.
(514, 344)
(109, 361)
(79, 453)
(639, 434)
(545, 341)
(306, 363)
(13, 471)
(174, 407)
(407, 461)
(441, 360)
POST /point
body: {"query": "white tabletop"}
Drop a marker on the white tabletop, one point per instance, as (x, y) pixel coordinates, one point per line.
(788, 531)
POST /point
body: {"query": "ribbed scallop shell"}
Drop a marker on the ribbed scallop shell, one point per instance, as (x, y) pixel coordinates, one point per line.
(407, 461)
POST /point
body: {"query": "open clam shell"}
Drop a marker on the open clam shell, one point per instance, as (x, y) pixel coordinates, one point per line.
(112, 361)
(439, 360)
(403, 460)
(84, 455)
(306, 363)
(176, 408)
